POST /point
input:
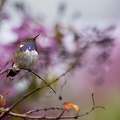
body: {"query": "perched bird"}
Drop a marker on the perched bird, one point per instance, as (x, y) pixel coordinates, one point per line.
(24, 57)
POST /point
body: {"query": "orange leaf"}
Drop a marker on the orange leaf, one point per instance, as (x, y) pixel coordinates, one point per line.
(69, 105)
(3, 99)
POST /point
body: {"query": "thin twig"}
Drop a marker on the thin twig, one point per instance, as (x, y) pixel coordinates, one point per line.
(30, 70)
(61, 114)
(4, 71)
(7, 63)
(44, 109)
(60, 96)
(93, 107)
(93, 100)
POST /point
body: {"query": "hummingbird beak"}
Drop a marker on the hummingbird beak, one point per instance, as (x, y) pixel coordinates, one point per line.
(36, 37)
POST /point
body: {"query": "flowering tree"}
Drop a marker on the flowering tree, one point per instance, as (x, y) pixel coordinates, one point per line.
(60, 45)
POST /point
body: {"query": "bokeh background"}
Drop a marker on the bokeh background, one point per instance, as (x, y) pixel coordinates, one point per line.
(67, 27)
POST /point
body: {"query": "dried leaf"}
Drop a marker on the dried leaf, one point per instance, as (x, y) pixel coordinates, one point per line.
(69, 105)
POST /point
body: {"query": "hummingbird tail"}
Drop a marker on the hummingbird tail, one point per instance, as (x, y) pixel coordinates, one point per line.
(12, 73)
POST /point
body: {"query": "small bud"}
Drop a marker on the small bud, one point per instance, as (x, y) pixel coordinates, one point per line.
(60, 97)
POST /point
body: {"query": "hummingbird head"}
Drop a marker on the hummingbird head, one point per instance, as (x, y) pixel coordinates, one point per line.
(29, 44)
(30, 38)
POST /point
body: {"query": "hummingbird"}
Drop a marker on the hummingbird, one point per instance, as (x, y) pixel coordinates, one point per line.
(24, 57)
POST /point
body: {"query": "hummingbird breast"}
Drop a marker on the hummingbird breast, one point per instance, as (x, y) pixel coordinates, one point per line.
(25, 59)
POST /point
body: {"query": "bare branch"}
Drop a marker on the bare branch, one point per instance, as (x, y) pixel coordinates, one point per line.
(33, 91)
(27, 116)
